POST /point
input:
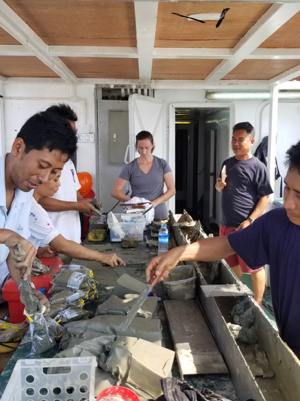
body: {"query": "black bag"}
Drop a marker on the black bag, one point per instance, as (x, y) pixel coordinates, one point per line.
(261, 153)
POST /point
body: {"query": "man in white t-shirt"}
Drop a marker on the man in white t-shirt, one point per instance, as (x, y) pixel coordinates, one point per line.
(64, 207)
(44, 233)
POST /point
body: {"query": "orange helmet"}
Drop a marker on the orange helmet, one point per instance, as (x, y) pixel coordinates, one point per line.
(86, 181)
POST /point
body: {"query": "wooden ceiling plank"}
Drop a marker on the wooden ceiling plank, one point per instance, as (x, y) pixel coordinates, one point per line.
(17, 28)
(145, 20)
(274, 18)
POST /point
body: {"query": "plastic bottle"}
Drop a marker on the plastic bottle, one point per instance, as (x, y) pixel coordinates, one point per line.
(163, 239)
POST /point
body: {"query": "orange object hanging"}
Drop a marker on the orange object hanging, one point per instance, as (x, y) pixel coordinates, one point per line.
(86, 181)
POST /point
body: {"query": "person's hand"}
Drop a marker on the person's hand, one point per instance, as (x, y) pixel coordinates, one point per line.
(162, 264)
(154, 203)
(46, 252)
(244, 224)
(40, 296)
(43, 300)
(85, 206)
(22, 253)
(112, 260)
(220, 185)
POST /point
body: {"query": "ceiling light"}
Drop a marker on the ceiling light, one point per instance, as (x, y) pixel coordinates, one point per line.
(250, 95)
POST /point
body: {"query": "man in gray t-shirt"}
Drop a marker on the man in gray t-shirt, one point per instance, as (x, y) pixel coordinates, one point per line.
(245, 195)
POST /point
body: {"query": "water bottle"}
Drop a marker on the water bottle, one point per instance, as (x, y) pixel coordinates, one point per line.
(163, 239)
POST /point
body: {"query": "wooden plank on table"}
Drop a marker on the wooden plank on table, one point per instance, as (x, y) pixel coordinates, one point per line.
(196, 350)
(226, 290)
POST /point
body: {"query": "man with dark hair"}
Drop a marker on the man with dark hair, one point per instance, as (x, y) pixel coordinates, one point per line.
(272, 239)
(64, 207)
(65, 111)
(39, 151)
(245, 196)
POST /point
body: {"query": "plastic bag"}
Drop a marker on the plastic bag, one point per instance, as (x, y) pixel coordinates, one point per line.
(75, 280)
(43, 333)
(71, 314)
(79, 268)
(68, 296)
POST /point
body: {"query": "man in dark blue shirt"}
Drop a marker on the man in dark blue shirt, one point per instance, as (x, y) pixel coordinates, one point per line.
(245, 195)
(273, 238)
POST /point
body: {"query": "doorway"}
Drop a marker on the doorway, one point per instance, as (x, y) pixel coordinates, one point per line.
(201, 145)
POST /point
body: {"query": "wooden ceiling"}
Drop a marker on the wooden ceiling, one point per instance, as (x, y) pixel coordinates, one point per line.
(143, 43)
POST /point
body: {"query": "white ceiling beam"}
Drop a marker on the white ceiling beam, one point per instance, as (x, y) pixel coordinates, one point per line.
(182, 53)
(275, 54)
(290, 85)
(93, 51)
(154, 84)
(276, 16)
(286, 76)
(145, 21)
(17, 28)
(202, 84)
(158, 53)
(14, 50)
(206, 1)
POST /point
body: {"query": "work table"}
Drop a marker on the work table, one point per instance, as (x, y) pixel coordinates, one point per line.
(136, 260)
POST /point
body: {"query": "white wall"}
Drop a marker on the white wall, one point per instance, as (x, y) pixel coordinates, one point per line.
(22, 100)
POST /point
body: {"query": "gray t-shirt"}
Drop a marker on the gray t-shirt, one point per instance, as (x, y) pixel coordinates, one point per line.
(247, 181)
(149, 186)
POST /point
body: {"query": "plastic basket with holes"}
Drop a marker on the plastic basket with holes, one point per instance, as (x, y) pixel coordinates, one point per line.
(56, 379)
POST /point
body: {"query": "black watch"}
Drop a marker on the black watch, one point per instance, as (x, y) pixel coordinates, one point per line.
(251, 220)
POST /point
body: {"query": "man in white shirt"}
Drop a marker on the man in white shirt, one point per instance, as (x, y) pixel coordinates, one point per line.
(64, 207)
(40, 150)
(43, 232)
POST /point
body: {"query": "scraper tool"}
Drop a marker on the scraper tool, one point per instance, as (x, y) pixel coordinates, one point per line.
(135, 307)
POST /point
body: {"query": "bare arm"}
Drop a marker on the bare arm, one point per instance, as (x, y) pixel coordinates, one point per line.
(79, 196)
(21, 251)
(171, 191)
(56, 205)
(206, 250)
(70, 248)
(116, 191)
(258, 211)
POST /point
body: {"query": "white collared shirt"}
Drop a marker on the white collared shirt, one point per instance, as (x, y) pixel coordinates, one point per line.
(18, 217)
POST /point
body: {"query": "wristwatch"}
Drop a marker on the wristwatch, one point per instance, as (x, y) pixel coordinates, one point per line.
(251, 220)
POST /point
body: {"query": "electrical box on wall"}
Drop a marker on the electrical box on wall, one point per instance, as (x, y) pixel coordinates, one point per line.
(84, 135)
(118, 135)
